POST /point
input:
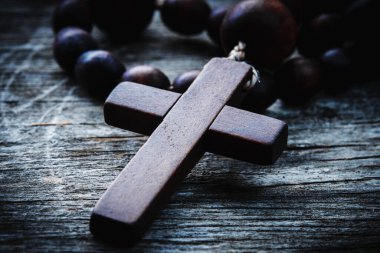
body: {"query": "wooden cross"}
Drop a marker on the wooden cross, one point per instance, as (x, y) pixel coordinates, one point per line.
(182, 128)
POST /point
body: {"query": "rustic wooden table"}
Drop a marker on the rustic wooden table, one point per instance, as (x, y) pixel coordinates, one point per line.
(57, 157)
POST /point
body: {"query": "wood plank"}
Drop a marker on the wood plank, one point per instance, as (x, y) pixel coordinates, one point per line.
(57, 156)
(129, 204)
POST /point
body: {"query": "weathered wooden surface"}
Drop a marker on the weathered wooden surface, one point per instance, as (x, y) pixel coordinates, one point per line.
(57, 156)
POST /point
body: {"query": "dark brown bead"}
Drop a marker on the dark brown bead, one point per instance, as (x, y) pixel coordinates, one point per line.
(186, 17)
(182, 82)
(267, 27)
(214, 22)
(122, 20)
(72, 13)
(320, 34)
(147, 75)
(337, 70)
(262, 95)
(69, 44)
(298, 80)
(99, 72)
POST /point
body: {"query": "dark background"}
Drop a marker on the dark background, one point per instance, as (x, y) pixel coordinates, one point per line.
(57, 156)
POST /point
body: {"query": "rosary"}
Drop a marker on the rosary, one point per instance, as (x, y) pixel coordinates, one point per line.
(197, 112)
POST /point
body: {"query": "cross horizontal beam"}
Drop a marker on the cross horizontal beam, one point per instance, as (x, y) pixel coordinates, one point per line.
(234, 133)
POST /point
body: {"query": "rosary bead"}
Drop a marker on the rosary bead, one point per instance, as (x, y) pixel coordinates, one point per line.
(262, 95)
(266, 27)
(298, 80)
(214, 22)
(72, 13)
(182, 82)
(320, 34)
(122, 20)
(337, 70)
(186, 17)
(147, 75)
(99, 72)
(69, 44)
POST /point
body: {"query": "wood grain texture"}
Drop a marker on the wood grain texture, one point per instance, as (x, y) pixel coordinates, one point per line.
(138, 108)
(234, 133)
(57, 156)
(247, 136)
(129, 205)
